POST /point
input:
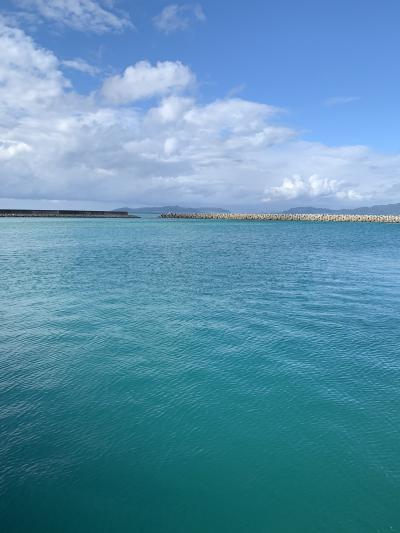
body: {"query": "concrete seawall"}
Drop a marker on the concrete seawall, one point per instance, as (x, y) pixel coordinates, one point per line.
(392, 219)
(62, 213)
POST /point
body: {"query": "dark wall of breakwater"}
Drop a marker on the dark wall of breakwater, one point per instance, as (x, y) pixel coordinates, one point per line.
(287, 217)
(61, 213)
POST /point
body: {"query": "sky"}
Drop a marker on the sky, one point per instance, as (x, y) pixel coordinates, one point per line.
(257, 105)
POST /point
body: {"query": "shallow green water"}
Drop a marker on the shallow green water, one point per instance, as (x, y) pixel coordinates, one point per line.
(199, 376)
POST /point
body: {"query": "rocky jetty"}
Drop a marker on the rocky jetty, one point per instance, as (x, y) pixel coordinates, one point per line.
(392, 219)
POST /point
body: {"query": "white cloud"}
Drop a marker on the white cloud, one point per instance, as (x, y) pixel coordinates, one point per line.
(59, 144)
(81, 65)
(351, 194)
(340, 100)
(311, 188)
(143, 81)
(29, 75)
(171, 109)
(81, 15)
(234, 113)
(176, 17)
(10, 149)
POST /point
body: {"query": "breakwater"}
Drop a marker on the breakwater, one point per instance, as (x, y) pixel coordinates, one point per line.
(62, 213)
(392, 219)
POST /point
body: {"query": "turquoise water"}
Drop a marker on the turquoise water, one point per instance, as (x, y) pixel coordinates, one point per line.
(199, 376)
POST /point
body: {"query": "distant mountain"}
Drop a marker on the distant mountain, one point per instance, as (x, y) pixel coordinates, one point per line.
(388, 209)
(172, 209)
(309, 211)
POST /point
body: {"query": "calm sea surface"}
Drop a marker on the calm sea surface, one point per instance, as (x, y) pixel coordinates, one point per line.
(177, 376)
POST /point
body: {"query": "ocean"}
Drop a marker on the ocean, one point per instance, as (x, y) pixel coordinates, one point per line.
(194, 376)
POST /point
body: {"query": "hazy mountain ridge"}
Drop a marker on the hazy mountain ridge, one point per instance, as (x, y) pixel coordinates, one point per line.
(172, 209)
(386, 209)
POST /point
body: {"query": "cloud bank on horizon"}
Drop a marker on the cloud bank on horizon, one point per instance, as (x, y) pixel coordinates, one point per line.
(145, 136)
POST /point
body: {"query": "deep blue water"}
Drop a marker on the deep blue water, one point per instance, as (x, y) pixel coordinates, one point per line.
(178, 376)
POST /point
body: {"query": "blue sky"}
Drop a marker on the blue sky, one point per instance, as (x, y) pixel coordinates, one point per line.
(269, 104)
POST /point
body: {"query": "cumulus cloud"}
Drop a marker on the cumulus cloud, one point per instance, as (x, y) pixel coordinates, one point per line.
(171, 109)
(310, 188)
(58, 144)
(81, 15)
(29, 75)
(176, 17)
(142, 81)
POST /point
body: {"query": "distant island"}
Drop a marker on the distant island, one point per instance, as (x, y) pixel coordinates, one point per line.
(387, 209)
(171, 209)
